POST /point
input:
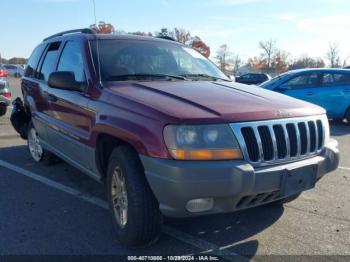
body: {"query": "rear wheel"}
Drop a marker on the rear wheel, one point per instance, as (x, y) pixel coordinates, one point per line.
(135, 211)
(37, 152)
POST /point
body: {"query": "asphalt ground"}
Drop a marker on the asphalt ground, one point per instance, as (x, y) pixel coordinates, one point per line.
(57, 210)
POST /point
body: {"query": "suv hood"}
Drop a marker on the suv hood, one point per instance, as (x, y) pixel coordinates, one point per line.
(203, 101)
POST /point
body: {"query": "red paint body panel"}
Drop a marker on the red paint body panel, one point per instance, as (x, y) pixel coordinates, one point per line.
(138, 111)
(215, 102)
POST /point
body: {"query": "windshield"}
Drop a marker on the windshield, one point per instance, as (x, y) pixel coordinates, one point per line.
(272, 81)
(127, 59)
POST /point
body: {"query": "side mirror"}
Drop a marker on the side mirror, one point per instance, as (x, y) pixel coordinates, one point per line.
(64, 80)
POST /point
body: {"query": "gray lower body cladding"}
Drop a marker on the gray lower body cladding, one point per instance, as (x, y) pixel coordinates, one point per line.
(234, 185)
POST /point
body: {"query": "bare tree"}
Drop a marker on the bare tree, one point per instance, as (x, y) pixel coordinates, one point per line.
(224, 58)
(269, 49)
(237, 63)
(182, 35)
(345, 61)
(333, 55)
(279, 62)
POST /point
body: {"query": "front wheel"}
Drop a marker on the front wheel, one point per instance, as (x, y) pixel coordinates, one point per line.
(135, 211)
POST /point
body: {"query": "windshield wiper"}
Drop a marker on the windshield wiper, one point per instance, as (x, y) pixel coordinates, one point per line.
(145, 76)
(214, 78)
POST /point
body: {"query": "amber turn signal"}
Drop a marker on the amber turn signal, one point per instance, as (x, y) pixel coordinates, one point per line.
(207, 154)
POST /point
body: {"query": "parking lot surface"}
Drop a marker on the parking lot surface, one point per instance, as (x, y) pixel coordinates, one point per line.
(57, 210)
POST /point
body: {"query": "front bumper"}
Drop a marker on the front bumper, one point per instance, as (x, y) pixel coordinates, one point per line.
(233, 185)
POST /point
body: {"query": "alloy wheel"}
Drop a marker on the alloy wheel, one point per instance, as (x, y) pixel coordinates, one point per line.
(119, 197)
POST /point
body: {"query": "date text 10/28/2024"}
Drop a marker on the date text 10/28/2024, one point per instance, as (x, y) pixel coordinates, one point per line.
(174, 258)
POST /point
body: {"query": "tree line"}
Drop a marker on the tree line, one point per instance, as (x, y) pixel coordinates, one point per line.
(14, 61)
(178, 34)
(274, 61)
(271, 59)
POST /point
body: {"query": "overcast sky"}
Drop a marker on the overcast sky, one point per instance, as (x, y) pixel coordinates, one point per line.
(298, 26)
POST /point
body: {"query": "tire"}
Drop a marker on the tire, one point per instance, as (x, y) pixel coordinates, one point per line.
(3, 109)
(347, 115)
(36, 151)
(287, 200)
(136, 216)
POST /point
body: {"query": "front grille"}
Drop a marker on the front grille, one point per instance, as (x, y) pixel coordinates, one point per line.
(280, 140)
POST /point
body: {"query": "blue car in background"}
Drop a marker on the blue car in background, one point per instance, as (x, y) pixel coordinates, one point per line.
(329, 88)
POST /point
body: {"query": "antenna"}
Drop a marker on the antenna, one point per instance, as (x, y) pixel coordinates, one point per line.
(97, 45)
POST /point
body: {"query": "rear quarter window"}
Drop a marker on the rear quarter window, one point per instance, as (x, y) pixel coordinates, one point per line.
(50, 60)
(32, 65)
(335, 79)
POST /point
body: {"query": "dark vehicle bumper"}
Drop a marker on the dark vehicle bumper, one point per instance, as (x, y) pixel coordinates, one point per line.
(233, 185)
(4, 89)
(5, 101)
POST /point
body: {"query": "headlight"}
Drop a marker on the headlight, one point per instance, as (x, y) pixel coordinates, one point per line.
(201, 142)
(326, 130)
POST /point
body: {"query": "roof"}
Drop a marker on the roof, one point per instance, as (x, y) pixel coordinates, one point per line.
(91, 35)
(318, 70)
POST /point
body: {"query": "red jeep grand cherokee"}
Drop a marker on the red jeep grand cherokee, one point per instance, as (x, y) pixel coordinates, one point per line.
(167, 131)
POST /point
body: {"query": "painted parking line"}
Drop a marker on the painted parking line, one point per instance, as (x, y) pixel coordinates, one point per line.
(201, 244)
(344, 167)
(54, 184)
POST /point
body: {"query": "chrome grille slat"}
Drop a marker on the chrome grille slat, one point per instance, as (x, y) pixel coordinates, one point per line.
(307, 137)
(298, 139)
(287, 140)
(258, 138)
(273, 138)
(316, 134)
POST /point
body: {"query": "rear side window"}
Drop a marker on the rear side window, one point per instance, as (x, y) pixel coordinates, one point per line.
(334, 79)
(31, 68)
(50, 60)
(10, 67)
(247, 76)
(302, 81)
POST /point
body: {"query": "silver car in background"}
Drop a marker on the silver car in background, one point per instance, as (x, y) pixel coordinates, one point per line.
(14, 70)
(5, 93)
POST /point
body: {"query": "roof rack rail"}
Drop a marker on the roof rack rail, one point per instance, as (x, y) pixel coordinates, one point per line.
(83, 31)
(166, 37)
